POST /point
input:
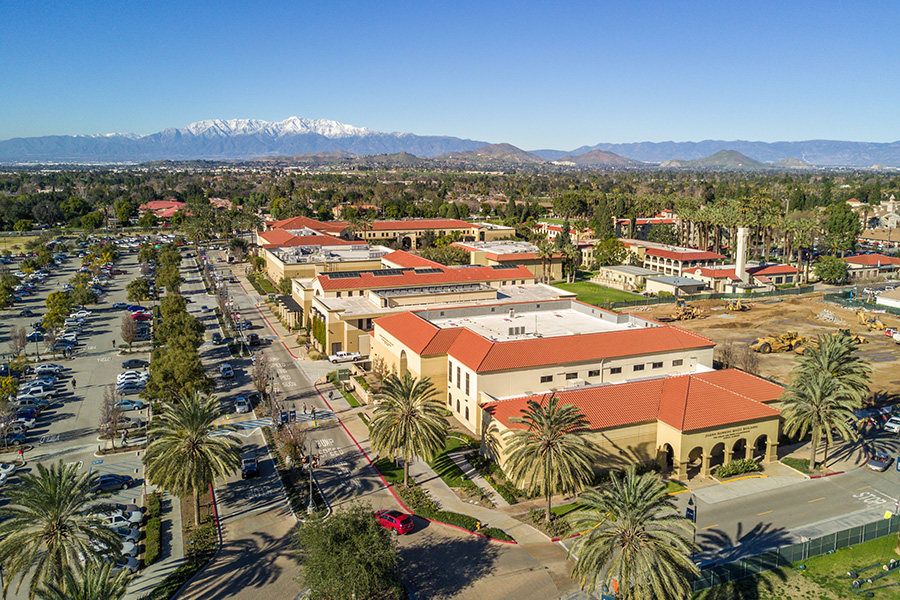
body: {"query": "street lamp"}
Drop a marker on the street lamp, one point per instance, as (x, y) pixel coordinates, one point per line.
(311, 507)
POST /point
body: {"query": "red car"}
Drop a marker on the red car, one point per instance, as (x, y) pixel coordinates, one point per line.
(141, 317)
(394, 519)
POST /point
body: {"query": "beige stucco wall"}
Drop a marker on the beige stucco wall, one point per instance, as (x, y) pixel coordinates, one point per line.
(655, 287)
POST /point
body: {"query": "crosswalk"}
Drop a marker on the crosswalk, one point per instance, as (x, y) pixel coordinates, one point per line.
(244, 425)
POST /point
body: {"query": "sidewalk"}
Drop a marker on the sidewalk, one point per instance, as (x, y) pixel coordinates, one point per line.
(460, 459)
(171, 551)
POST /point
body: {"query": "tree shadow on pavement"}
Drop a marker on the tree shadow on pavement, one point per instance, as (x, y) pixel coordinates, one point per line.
(425, 565)
(240, 564)
(720, 548)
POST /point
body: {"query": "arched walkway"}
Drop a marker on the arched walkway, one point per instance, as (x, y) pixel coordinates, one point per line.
(667, 458)
(739, 450)
(694, 462)
(760, 446)
(717, 455)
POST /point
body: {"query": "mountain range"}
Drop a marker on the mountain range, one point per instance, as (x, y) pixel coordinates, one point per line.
(244, 139)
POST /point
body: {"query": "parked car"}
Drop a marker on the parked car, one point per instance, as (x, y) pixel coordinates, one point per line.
(892, 425)
(241, 405)
(253, 339)
(226, 371)
(121, 518)
(128, 534)
(127, 404)
(135, 363)
(7, 469)
(26, 313)
(126, 562)
(130, 387)
(880, 461)
(120, 305)
(249, 467)
(35, 336)
(141, 317)
(395, 520)
(48, 368)
(112, 481)
(130, 422)
(344, 357)
(39, 391)
(38, 404)
(13, 439)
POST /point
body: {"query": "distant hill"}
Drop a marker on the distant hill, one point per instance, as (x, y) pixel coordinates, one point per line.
(793, 163)
(503, 152)
(726, 160)
(821, 153)
(600, 158)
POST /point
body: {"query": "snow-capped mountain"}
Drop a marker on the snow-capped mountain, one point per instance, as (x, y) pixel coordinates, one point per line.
(219, 139)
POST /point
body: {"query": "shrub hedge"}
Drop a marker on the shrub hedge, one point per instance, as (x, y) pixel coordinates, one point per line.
(153, 532)
(737, 467)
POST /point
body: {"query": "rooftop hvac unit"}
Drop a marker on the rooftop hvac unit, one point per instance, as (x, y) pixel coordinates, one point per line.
(572, 383)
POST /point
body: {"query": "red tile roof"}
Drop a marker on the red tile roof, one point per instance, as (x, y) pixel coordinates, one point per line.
(409, 278)
(685, 402)
(413, 224)
(413, 331)
(588, 347)
(683, 255)
(772, 270)
(405, 259)
(300, 222)
(873, 260)
(714, 273)
(281, 238)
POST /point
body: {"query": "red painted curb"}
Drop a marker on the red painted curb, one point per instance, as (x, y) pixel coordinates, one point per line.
(259, 310)
(215, 507)
(828, 474)
(389, 486)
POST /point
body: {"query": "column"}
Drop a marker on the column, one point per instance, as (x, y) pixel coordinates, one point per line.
(748, 451)
(704, 464)
(772, 452)
(679, 468)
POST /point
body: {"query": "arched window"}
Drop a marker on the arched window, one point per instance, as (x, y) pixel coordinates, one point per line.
(449, 400)
(467, 413)
(457, 405)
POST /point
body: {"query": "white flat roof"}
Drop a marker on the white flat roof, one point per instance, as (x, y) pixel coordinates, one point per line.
(552, 319)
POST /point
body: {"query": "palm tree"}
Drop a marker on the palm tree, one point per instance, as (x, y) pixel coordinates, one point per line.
(551, 454)
(183, 457)
(633, 533)
(836, 355)
(94, 581)
(409, 420)
(816, 402)
(545, 251)
(46, 523)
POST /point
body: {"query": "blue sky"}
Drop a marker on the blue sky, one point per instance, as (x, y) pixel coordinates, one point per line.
(534, 74)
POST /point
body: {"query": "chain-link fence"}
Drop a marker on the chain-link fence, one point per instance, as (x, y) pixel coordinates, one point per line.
(767, 561)
(691, 298)
(849, 299)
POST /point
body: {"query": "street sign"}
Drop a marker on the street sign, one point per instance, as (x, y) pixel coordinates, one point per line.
(284, 417)
(690, 512)
(343, 374)
(293, 416)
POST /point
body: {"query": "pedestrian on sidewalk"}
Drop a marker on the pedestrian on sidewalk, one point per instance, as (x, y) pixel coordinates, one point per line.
(124, 437)
(73, 384)
(304, 408)
(331, 394)
(21, 455)
(314, 413)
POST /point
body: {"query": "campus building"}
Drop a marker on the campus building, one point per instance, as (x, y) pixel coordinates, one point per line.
(511, 252)
(341, 307)
(724, 279)
(870, 266)
(670, 260)
(650, 387)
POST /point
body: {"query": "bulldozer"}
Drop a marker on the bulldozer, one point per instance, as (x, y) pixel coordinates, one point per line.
(737, 305)
(786, 342)
(684, 312)
(814, 343)
(870, 321)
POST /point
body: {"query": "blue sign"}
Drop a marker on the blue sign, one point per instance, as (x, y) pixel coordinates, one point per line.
(293, 416)
(97, 462)
(897, 462)
(690, 514)
(284, 417)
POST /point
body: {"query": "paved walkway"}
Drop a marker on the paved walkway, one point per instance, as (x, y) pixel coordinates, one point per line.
(460, 459)
(171, 551)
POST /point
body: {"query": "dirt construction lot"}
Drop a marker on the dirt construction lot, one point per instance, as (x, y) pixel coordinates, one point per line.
(792, 313)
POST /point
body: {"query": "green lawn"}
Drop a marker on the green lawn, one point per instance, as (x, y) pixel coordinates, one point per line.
(591, 293)
(564, 509)
(391, 472)
(262, 285)
(672, 487)
(825, 577)
(444, 466)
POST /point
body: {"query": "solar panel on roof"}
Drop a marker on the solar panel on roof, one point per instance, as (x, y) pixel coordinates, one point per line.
(387, 272)
(342, 275)
(428, 270)
(504, 266)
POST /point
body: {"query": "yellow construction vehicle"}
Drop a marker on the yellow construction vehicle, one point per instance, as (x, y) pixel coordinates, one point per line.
(814, 342)
(785, 342)
(737, 305)
(856, 337)
(684, 312)
(870, 321)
